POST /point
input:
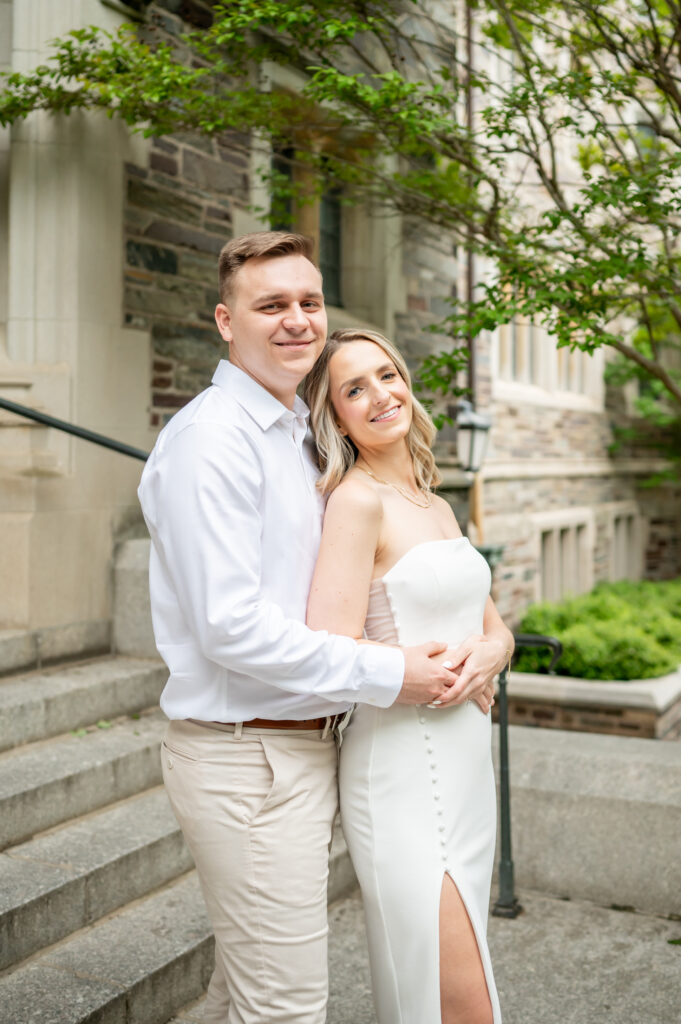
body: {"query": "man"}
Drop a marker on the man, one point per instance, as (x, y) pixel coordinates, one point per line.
(249, 758)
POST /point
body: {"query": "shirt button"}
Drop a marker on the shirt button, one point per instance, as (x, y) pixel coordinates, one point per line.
(440, 828)
(429, 750)
(434, 779)
(422, 720)
(436, 796)
(170, 762)
(433, 764)
(426, 735)
(443, 842)
(439, 812)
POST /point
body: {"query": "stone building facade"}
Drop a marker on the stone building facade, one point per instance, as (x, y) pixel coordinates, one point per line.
(108, 246)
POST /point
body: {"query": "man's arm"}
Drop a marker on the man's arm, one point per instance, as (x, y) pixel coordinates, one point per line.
(201, 497)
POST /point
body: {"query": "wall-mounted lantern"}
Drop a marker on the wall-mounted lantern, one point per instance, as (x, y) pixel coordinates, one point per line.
(472, 436)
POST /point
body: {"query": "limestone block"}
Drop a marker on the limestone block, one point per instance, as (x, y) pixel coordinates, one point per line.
(14, 567)
(132, 630)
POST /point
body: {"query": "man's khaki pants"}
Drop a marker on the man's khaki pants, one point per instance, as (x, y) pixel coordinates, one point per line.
(256, 807)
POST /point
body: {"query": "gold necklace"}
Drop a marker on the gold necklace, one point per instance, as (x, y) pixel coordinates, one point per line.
(400, 490)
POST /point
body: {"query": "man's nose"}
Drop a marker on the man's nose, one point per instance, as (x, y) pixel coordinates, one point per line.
(296, 319)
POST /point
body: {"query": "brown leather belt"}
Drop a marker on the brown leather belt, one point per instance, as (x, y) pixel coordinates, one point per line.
(266, 723)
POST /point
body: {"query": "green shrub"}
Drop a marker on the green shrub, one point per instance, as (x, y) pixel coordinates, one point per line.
(619, 630)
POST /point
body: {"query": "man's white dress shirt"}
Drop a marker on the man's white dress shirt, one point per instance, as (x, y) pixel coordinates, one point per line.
(229, 497)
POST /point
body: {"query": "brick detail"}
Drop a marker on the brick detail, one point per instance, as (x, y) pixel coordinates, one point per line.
(602, 719)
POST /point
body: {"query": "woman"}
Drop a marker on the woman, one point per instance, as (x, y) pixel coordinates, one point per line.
(417, 789)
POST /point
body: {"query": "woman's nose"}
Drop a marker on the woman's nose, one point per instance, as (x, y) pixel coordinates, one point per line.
(380, 393)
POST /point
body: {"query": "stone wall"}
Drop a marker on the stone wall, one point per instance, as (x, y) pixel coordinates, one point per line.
(178, 215)
(180, 209)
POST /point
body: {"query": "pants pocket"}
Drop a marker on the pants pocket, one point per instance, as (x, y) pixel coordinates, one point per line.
(172, 751)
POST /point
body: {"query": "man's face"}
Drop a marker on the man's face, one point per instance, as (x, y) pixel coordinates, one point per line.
(275, 322)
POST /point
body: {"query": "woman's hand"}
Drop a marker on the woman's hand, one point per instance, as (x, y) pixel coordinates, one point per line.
(478, 660)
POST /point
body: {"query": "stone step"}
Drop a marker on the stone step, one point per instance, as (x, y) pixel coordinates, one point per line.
(43, 704)
(22, 650)
(46, 783)
(142, 963)
(69, 877)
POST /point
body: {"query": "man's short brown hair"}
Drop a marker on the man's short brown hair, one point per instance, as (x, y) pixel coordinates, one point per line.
(269, 244)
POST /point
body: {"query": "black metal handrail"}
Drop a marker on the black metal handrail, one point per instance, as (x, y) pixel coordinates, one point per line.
(537, 640)
(71, 428)
(507, 904)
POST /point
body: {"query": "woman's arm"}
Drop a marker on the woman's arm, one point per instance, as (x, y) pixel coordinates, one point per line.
(339, 595)
(480, 658)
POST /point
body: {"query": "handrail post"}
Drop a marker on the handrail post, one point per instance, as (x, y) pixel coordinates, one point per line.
(506, 905)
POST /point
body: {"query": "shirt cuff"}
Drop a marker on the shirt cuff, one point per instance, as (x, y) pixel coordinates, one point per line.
(381, 675)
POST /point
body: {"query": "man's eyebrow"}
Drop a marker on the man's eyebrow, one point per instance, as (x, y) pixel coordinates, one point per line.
(358, 380)
(282, 295)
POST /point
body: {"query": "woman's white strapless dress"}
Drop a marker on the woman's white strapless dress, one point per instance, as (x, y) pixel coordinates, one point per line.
(417, 788)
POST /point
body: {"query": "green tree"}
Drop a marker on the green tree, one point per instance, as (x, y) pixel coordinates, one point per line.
(550, 146)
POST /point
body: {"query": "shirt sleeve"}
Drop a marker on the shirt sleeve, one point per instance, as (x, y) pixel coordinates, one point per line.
(203, 512)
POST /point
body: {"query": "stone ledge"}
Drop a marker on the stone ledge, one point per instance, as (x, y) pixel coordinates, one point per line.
(649, 708)
(596, 817)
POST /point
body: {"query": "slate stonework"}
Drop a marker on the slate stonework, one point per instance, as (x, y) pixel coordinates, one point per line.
(178, 215)
(180, 212)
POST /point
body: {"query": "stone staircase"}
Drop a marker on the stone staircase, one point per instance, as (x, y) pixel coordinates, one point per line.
(101, 918)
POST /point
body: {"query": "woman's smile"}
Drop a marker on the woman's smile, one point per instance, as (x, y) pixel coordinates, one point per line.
(389, 414)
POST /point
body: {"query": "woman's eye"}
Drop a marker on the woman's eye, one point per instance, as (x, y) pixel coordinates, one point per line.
(352, 392)
(389, 375)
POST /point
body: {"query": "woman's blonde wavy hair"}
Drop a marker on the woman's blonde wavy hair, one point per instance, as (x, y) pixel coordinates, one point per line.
(335, 453)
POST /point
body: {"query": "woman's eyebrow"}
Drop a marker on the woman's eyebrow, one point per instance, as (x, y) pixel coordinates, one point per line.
(358, 380)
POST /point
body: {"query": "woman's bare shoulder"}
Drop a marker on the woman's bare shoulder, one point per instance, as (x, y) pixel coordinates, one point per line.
(355, 495)
(443, 507)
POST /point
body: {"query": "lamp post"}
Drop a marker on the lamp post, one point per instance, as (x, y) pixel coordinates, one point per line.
(472, 438)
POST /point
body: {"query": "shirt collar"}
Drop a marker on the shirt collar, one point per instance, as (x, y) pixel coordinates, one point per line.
(260, 405)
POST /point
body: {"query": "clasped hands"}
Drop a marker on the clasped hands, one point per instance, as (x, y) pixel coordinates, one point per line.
(464, 674)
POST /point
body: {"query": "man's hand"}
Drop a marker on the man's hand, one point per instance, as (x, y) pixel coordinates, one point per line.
(477, 661)
(428, 673)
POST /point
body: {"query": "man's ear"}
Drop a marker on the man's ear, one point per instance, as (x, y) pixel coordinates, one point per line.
(223, 318)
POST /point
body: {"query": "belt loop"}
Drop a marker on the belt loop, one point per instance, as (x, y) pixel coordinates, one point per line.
(238, 727)
(328, 726)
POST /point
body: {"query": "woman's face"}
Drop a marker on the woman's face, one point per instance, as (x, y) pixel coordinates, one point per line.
(371, 401)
